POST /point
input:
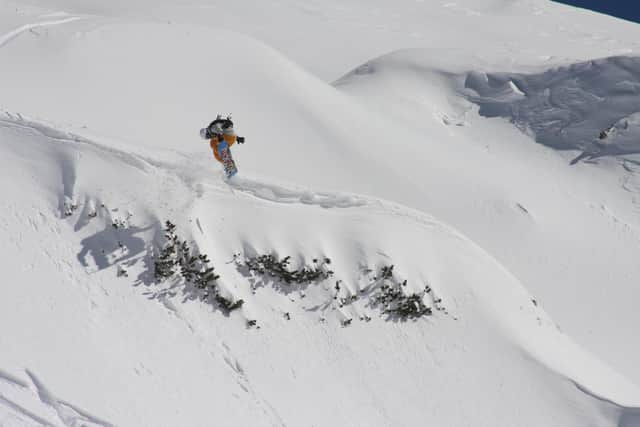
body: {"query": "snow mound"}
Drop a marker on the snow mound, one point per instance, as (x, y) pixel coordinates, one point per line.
(568, 108)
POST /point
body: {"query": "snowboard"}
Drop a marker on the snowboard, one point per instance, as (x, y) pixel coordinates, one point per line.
(229, 165)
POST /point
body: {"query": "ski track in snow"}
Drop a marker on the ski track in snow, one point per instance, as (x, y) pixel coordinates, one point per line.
(280, 194)
(23, 415)
(66, 413)
(243, 382)
(139, 161)
(253, 187)
(69, 414)
(334, 200)
(15, 33)
(12, 380)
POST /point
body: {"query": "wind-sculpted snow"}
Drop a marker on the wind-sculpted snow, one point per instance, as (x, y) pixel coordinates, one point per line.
(589, 106)
(628, 416)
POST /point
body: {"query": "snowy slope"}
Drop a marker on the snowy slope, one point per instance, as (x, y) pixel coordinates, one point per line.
(101, 109)
(361, 231)
(528, 194)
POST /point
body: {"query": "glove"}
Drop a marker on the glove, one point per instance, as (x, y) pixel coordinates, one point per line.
(240, 139)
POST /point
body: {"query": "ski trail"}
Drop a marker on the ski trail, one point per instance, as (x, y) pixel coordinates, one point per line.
(13, 120)
(243, 382)
(276, 193)
(24, 413)
(15, 33)
(280, 194)
(69, 414)
(30, 403)
(260, 189)
(12, 380)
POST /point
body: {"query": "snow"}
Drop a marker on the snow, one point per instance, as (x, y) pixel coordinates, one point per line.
(15, 33)
(407, 160)
(571, 107)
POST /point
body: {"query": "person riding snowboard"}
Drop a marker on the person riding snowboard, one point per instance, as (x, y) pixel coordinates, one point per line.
(220, 130)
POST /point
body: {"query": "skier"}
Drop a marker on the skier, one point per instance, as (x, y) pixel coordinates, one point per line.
(220, 130)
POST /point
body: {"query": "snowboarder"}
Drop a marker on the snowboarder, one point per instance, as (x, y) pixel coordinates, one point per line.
(222, 136)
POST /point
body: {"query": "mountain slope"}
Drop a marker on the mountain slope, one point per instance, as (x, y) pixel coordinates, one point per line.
(102, 105)
(477, 293)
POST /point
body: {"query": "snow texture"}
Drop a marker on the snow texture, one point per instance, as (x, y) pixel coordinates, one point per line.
(529, 264)
(589, 106)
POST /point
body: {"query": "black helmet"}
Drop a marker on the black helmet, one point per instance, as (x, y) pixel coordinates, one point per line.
(218, 127)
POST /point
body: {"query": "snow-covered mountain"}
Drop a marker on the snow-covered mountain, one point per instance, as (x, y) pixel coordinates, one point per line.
(470, 167)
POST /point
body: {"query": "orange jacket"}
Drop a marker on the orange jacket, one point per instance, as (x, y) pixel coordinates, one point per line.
(230, 139)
